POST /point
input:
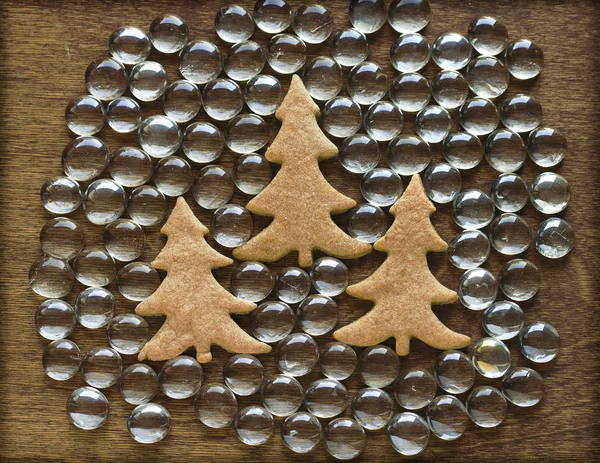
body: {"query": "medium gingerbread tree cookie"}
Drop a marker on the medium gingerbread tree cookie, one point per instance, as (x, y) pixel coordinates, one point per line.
(403, 289)
(197, 307)
(299, 198)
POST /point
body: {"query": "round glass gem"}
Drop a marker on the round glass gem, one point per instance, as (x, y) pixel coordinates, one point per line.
(410, 52)
(337, 360)
(252, 281)
(349, 47)
(55, 319)
(359, 153)
(85, 158)
(106, 78)
(433, 124)
(263, 94)
(372, 408)
(472, 209)
(341, 117)
(317, 314)
(415, 388)
(383, 121)
(254, 425)
(286, 53)
(488, 36)
(487, 76)
(367, 83)
(51, 277)
(344, 438)
(94, 267)
(368, 16)
(173, 176)
(60, 195)
(477, 289)
(503, 320)
(181, 377)
(519, 279)
(325, 398)
(101, 367)
(147, 206)
(127, 333)
(509, 192)
(85, 115)
(149, 423)
(462, 150)
(407, 16)
(223, 99)
(329, 276)
(123, 114)
(244, 60)
(296, 354)
(451, 51)
(124, 239)
(378, 366)
(521, 113)
(486, 406)
(130, 167)
(182, 101)
(243, 374)
(323, 78)
(213, 187)
(410, 91)
(252, 173)
(159, 136)
(522, 387)
(87, 408)
(272, 16)
(168, 33)
(546, 146)
(246, 133)
(478, 116)
(129, 45)
(524, 59)
(408, 433)
(509, 234)
(381, 186)
(554, 238)
(301, 432)
(138, 384)
(293, 284)
(450, 89)
(200, 61)
(61, 359)
(367, 223)
(447, 417)
(408, 155)
(468, 249)
(313, 23)
(490, 357)
(95, 307)
(454, 372)
(550, 193)
(202, 142)
(148, 81)
(137, 281)
(104, 201)
(272, 321)
(62, 238)
(282, 395)
(234, 24)
(539, 342)
(216, 406)
(442, 182)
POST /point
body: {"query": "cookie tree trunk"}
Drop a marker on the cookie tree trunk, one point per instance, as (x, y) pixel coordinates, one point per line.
(403, 289)
(197, 307)
(299, 198)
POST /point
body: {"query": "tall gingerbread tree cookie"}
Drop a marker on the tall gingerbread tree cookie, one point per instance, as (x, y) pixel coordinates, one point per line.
(299, 198)
(197, 307)
(403, 289)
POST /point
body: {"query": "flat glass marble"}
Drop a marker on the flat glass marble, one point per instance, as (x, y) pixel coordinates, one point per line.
(367, 223)
(349, 47)
(243, 374)
(94, 267)
(451, 51)
(325, 398)
(101, 367)
(147, 206)
(51, 277)
(60, 195)
(254, 425)
(313, 23)
(337, 360)
(272, 321)
(223, 99)
(149, 423)
(381, 186)
(447, 417)
(550, 193)
(106, 78)
(477, 289)
(296, 354)
(554, 238)
(433, 124)
(442, 182)
(123, 114)
(85, 158)
(410, 91)
(181, 377)
(234, 24)
(407, 16)
(202, 142)
(129, 45)
(138, 384)
(372, 408)
(454, 372)
(252, 281)
(182, 101)
(472, 209)
(487, 76)
(85, 115)
(252, 173)
(488, 36)
(55, 319)
(486, 406)
(246, 133)
(286, 53)
(478, 116)
(130, 167)
(104, 201)
(282, 395)
(293, 284)
(524, 59)
(148, 81)
(263, 94)
(341, 117)
(216, 406)
(61, 359)
(200, 61)
(272, 16)
(359, 153)
(124, 240)
(168, 33)
(301, 432)
(159, 136)
(539, 342)
(344, 438)
(95, 307)
(127, 333)
(509, 234)
(410, 52)
(503, 320)
(546, 146)
(244, 60)
(378, 366)
(408, 155)
(87, 408)
(317, 314)
(519, 279)
(62, 238)
(213, 187)
(450, 89)
(521, 113)
(469, 249)
(509, 192)
(231, 225)
(522, 387)
(408, 433)
(368, 16)
(323, 78)
(414, 388)
(462, 150)
(490, 357)
(329, 276)
(367, 83)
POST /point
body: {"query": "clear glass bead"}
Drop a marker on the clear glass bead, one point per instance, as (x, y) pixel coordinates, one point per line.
(539, 342)
(252, 173)
(296, 355)
(234, 24)
(367, 83)
(292, 285)
(451, 51)
(182, 101)
(509, 192)
(55, 319)
(505, 150)
(554, 238)
(522, 387)
(129, 45)
(349, 47)
(469, 249)
(378, 366)
(546, 146)
(254, 425)
(95, 307)
(503, 320)
(410, 52)
(286, 53)
(487, 76)
(272, 321)
(301, 432)
(519, 279)
(408, 433)
(337, 360)
(447, 417)
(344, 438)
(243, 374)
(282, 395)
(173, 176)
(442, 182)
(359, 153)
(372, 408)
(478, 116)
(341, 117)
(486, 406)
(329, 276)
(433, 124)
(246, 133)
(148, 81)
(213, 187)
(181, 377)
(51, 277)
(252, 281)
(101, 367)
(62, 238)
(550, 193)
(524, 59)
(323, 78)
(317, 314)
(488, 36)
(87, 408)
(450, 89)
(216, 406)
(200, 61)
(410, 92)
(383, 121)
(381, 186)
(368, 16)
(407, 16)
(408, 155)
(149, 423)
(202, 142)
(244, 60)
(123, 114)
(272, 16)
(159, 136)
(60, 195)
(168, 33)
(106, 78)
(313, 23)
(521, 113)
(147, 206)
(137, 281)
(124, 239)
(138, 384)
(130, 167)
(477, 289)
(94, 267)
(104, 202)
(263, 94)
(462, 150)
(85, 115)
(325, 398)
(454, 372)
(490, 357)
(472, 209)
(127, 333)
(415, 388)
(509, 234)
(61, 359)
(223, 99)
(367, 223)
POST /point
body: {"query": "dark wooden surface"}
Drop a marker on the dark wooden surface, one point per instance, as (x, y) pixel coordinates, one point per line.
(46, 47)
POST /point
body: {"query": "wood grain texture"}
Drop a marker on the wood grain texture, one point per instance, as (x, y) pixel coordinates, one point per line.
(46, 47)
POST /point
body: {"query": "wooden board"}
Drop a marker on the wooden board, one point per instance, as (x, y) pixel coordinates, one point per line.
(46, 47)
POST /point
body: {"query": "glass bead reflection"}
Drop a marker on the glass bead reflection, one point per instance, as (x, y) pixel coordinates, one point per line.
(546, 146)
(85, 115)
(554, 238)
(359, 153)
(55, 319)
(272, 321)
(149, 423)
(101, 367)
(62, 238)
(341, 117)
(272, 16)
(381, 186)
(106, 78)
(263, 94)
(337, 360)
(368, 16)
(61, 359)
(410, 53)
(104, 202)
(479, 116)
(344, 438)
(510, 193)
(200, 61)
(223, 99)
(138, 384)
(87, 408)
(521, 113)
(244, 60)
(181, 377)
(477, 289)
(254, 425)
(173, 176)
(296, 354)
(127, 333)
(486, 406)
(182, 101)
(462, 150)
(408, 155)
(213, 187)
(51, 277)
(246, 133)
(372, 408)
(522, 387)
(202, 142)
(243, 374)
(447, 417)
(469, 249)
(487, 76)
(454, 372)
(367, 83)
(349, 47)
(323, 78)
(519, 279)
(124, 240)
(60, 195)
(251, 173)
(378, 366)
(159, 136)
(123, 114)
(490, 357)
(509, 234)
(408, 433)
(329, 276)
(286, 53)
(524, 59)
(414, 388)
(325, 398)
(216, 406)
(450, 89)
(129, 45)
(407, 16)
(317, 314)
(472, 209)
(539, 342)
(313, 23)
(505, 150)
(94, 267)
(137, 281)
(147, 206)
(130, 167)
(148, 81)
(550, 193)
(488, 36)
(503, 320)
(301, 432)
(367, 223)
(410, 92)
(451, 51)
(234, 24)
(168, 33)
(442, 182)
(282, 395)
(252, 281)
(95, 307)
(433, 124)
(292, 285)
(383, 121)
